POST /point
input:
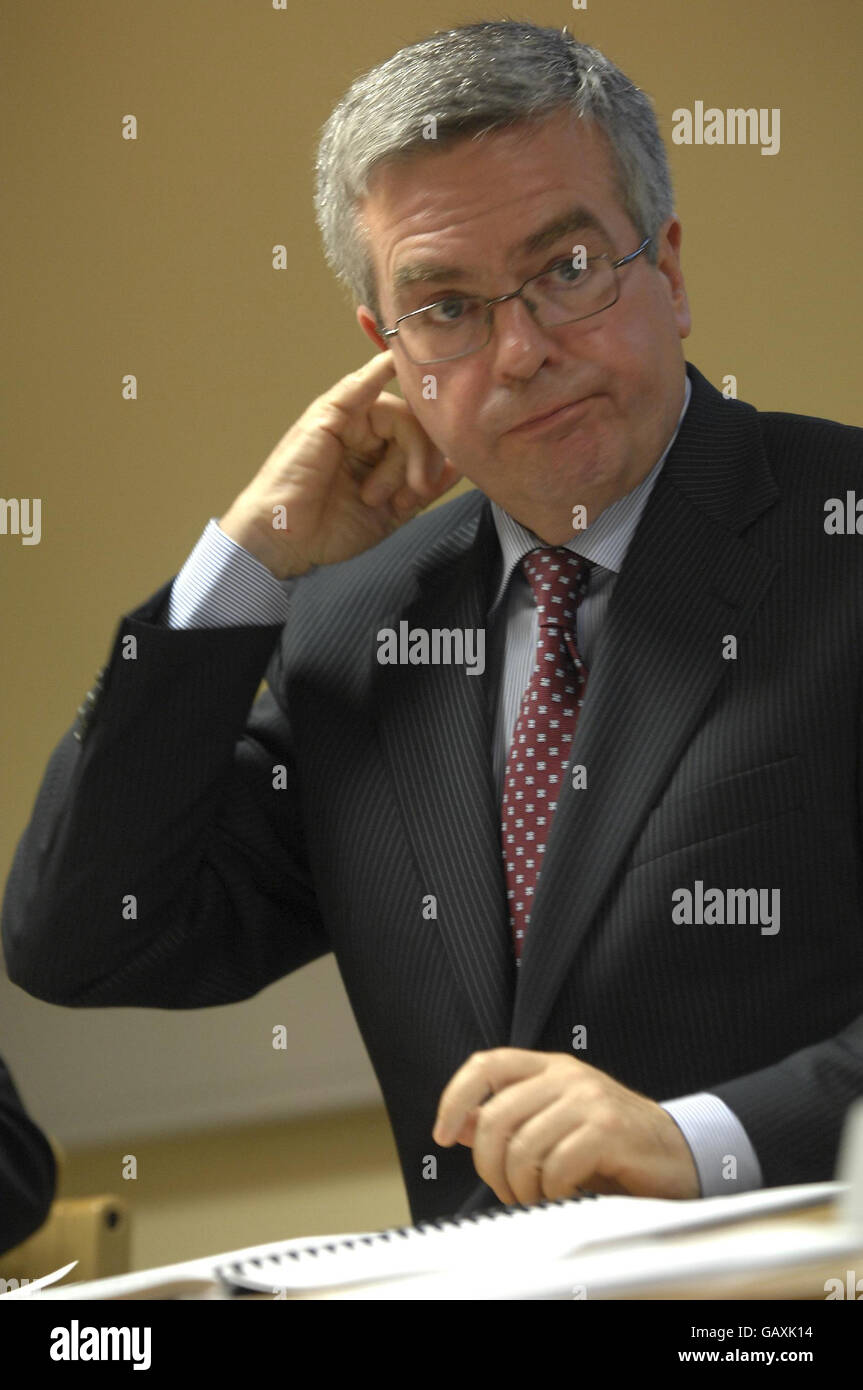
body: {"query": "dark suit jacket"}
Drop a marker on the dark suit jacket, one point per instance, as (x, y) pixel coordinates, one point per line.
(28, 1172)
(739, 773)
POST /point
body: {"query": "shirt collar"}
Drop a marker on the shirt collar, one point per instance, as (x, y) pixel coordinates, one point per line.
(605, 542)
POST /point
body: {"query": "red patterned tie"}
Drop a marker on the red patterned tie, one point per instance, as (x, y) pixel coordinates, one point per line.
(542, 739)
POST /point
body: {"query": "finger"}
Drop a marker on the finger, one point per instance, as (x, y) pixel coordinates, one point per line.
(426, 465)
(522, 1173)
(424, 469)
(362, 387)
(406, 500)
(576, 1161)
(512, 1134)
(393, 421)
(528, 1154)
(390, 440)
(375, 436)
(362, 447)
(481, 1076)
(467, 1133)
(388, 476)
(429, 472)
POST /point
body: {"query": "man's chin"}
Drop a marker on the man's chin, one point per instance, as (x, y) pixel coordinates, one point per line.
(556, 514)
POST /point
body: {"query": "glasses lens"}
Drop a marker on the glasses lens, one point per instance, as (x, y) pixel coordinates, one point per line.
(566, 292)
(451, 328)
(563, 294)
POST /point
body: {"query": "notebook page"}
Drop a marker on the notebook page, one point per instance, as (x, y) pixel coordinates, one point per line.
(635, 1269)
(547, 1231)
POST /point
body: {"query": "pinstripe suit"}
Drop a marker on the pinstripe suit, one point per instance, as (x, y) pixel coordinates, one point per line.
(738, 772)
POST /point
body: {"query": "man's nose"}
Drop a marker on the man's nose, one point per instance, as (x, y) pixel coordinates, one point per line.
(520, 345)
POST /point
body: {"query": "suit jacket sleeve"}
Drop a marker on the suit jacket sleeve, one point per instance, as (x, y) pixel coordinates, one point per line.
(28, 1173)
(161, 866)
(794, 1110)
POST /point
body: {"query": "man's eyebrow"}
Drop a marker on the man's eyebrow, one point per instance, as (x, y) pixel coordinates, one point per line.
(577, 219)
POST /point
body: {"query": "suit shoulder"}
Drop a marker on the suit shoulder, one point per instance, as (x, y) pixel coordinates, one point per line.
(825, 448)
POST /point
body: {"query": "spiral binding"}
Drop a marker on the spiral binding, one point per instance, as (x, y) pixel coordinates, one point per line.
(233, 1274)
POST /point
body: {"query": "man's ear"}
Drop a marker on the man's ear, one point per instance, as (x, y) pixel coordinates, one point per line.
(368, 323)
(668, 262)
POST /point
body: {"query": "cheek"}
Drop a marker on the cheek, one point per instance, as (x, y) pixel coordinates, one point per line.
(655, 328)
(636, 362)
(426, 404)
(443, 411)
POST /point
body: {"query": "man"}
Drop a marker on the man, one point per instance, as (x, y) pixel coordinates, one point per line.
(634, 640)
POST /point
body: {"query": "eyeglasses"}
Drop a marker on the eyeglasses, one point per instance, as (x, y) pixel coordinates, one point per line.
(564, 293)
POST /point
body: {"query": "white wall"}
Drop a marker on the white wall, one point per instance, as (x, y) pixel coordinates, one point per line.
(94, 1075)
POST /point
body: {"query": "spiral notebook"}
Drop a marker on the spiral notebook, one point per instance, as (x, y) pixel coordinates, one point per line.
(549, 1231)
(541, 1251)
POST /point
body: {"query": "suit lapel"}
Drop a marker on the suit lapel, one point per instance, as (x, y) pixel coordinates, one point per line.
(434, 725)
(687, 581)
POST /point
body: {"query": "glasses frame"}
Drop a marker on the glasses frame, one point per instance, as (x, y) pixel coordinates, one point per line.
(489, 304)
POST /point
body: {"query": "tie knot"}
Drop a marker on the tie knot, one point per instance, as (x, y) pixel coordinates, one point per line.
(558, 579)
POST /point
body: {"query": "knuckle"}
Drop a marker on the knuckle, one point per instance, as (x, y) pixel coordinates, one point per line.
(593, 1094)
(329, 408)
(606, 1118)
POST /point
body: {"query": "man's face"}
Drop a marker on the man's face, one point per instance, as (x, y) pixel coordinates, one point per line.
(471, 209)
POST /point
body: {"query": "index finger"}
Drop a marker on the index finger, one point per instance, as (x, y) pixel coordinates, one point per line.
(363, 386)
(480, 1078)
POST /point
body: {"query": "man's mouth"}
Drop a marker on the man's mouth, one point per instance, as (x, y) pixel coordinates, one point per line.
(565, 413)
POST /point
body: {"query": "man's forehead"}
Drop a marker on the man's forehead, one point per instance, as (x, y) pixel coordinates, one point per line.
(563, 183)
(576, 219)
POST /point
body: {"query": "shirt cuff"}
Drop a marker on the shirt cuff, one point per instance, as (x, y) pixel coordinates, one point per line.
(222, 585)
(724, 1157)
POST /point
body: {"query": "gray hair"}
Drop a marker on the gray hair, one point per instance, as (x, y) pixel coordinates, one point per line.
(475, 79)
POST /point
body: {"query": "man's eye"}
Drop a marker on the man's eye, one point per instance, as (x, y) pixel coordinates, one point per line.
(449, 310)
(565, 273)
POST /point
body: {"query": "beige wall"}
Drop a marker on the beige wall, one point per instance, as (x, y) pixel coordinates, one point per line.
(153, 257)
